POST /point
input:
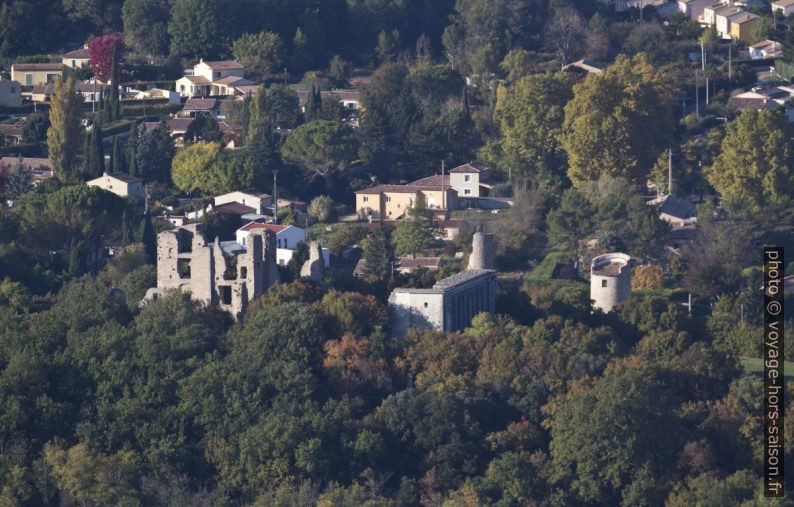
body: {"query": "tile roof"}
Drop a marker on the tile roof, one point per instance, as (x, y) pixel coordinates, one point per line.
(234, 208)
(462, 277)
(78, 54)
(223, 64)
(49, 88)
(420, 262)
(783, 3)
(233, 80)
(256, 225)
(31, 162)
(10, 130)
(433, 182)
(677, 207)
(179, 124)
(471, 167)
(193, 104)
(196, 79)
(377, 189)
(126, 178)
(37, 66)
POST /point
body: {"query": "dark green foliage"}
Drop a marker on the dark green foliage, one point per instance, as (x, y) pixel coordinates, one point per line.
(94, 154)
(154, 152)
(203, 128)
(148, 238)
(34, 130)
(118, 162)
(131, 151)
(378, 254)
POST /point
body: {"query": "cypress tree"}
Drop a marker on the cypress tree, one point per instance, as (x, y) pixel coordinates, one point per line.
(118, 162)
(75, 254)
(313, 104)
(149, 239)
(113, 102)
(94, 159)
(127, 233)
(132, 150)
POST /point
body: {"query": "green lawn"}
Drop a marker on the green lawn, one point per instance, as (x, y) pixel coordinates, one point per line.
(755, 366)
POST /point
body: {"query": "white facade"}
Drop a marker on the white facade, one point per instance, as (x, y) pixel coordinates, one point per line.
(723, 20)
(287, 237)
(610, 281)
(784, 7)
(257, 201)
(467, 184)
(284, 255)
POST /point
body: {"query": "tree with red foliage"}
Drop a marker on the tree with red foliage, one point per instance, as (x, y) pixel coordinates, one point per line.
(101, 51)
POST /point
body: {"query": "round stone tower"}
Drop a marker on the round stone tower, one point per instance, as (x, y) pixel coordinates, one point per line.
(610, 280)
(482, 251)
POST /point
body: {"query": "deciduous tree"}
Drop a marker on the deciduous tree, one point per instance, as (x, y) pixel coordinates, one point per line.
(259, 53)
(605, 122)
(65, 132)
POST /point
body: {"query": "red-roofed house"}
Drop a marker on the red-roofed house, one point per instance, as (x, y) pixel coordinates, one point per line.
(77, 58)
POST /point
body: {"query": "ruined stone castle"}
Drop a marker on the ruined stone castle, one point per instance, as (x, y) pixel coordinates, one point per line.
(227, 273)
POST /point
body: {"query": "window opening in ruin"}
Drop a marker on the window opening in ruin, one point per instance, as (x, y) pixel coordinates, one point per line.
(226, 294)
(603, 283)
(243, 272)
(183, 268)
(231, 267)
(184, 241)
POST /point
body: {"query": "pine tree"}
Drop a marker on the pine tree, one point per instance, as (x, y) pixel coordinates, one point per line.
(378, 254)
(118, 162)
(63, 136)
(149, 239)
(132, 150)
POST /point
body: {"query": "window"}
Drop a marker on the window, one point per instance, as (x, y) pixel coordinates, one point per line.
(183, 268)
(28, 79)
(74, 64)
(278, 243)
(467, 177)
(365, 199)
(243, 272)
(388, 198)
(51, 78)
(603, 283)
(226, 294)
(466, 191)
(285, 243)
(425, 304)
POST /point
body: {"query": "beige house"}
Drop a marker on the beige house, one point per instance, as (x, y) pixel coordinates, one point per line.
(31, 74)
(77, 59)
(121, 184)
(392, 201)
(10, 93)
(742, 26)
(213, 78)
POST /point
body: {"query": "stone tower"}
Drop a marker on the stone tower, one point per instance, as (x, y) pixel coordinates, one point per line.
(610, 280)
(313, 268)
(482, 251)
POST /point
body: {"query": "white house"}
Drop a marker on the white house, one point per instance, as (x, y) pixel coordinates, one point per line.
(722, 19)
(693, 9)
(77, 58)
(212, 78)
(120, 184)
(157, 93)
(257, 200)
(785, 7)
(465, 179)
(287, 239)
(766, 49)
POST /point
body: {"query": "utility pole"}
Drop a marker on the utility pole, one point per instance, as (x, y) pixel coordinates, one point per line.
(443, 203)
(702, 55)
(670, 171)
(707, 90)
(730, 73)
(275, 197)
(689, 306)
(697, 98)
(285, 77)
